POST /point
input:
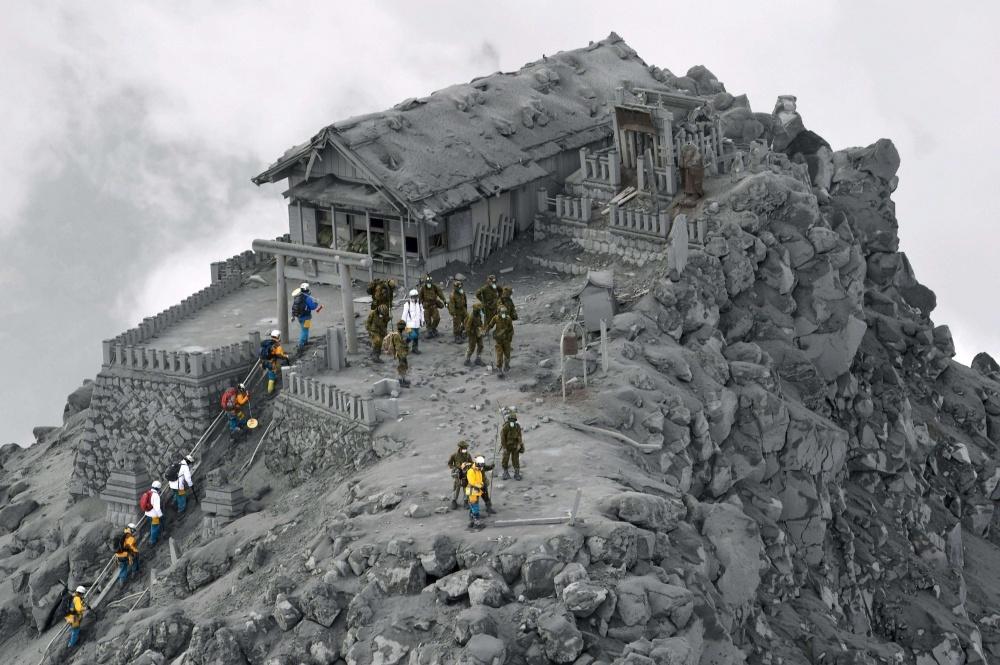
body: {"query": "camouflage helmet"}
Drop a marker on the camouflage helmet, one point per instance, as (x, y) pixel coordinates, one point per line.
(463, 445)
(401, 324)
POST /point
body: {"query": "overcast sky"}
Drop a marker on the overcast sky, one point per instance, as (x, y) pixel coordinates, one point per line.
(129, 132)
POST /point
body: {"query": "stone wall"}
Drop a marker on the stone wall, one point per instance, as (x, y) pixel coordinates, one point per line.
(147, 417)
(308, 440)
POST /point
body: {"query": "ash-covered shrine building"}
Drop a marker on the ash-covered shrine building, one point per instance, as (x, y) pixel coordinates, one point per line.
(455, 175)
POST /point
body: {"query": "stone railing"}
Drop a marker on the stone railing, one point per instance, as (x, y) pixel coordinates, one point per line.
(330, 398)
(193, 364)
(601, 167)
(632, 220)
(577, 209)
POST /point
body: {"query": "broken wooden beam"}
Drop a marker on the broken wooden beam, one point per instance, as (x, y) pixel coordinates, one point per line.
(528, 521)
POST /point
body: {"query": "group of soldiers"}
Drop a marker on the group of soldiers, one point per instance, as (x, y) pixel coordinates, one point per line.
(469, 473)
(492, 313)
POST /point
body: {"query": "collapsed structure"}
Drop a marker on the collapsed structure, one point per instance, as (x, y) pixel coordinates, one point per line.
(777, 461)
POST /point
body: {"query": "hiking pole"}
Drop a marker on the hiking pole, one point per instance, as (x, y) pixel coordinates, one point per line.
(496, 448)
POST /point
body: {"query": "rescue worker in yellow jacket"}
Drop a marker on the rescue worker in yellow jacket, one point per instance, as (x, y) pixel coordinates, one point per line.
(127, 553)
(475, 485)
(75, 615)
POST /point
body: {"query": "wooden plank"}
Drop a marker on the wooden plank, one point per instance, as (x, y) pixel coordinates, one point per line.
(531, 520)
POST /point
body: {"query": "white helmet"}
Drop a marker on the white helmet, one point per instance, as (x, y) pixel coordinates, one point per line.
(304, 286)
(480, 460)
(189, 459)
(81, 589)
(156, 485)
(275, 334)
(131, 526)
(413, 293)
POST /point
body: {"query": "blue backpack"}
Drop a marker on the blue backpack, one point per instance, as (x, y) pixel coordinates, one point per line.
(266, 349)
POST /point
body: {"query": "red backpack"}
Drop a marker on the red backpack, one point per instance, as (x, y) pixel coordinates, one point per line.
(146, 501)
(228, 399)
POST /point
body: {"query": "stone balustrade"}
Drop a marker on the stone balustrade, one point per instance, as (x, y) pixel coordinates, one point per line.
(193, 364)
(328, 397)
(645, 223)
(601, 167)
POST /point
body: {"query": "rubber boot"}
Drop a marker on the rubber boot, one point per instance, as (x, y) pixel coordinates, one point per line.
(416, 346)
(468, 360)
(270, 386)
(454, 504)
(506, 475)
(458, 339)
(404, 382)
(479, 361)
(517, 474)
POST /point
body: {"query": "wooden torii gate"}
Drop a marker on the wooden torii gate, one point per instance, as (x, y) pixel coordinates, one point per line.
(346, 260)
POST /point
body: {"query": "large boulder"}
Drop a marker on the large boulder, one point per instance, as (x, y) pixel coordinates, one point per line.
(475, 620)
(214, 644)
(487, 591)
(561, 638)
(285, 613)
(45, 587)
(438, 558)
(319, 603)
(484, 650)
(739, 549)
(538, 572)
(582, 598)
(13, 514)
(78, 400)
(881, 159)
(399, 576)
(644, 510)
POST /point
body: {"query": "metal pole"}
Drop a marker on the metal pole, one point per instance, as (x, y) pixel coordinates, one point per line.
(282, 296)
(347, 299)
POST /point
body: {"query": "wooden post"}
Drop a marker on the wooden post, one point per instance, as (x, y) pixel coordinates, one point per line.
(347, 301)
(402, 232)
(368, 230)
(282, 313)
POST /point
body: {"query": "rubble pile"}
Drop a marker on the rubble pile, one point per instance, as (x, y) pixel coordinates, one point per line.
(811, 477)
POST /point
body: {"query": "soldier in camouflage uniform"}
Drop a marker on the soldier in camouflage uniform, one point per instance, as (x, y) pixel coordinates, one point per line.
(432, 298)
(400, 350)
(512, 442)
(507, 300)
(385, 293)
(458, 307)
(377, 324)
(503, 337)
(458, 464)
(475, 322)
(489, 295)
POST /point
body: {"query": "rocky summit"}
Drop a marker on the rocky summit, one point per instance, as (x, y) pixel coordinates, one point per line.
(772, 458)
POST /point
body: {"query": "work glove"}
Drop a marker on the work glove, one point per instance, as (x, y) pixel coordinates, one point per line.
(520, 450)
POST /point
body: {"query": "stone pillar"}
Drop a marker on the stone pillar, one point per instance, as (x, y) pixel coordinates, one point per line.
(121, 494)
(614, 168)
(223, 502)
(641, 175)
(336, 354)
(583, 163)
(543, 199)
(347, 302)
(282, 313)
